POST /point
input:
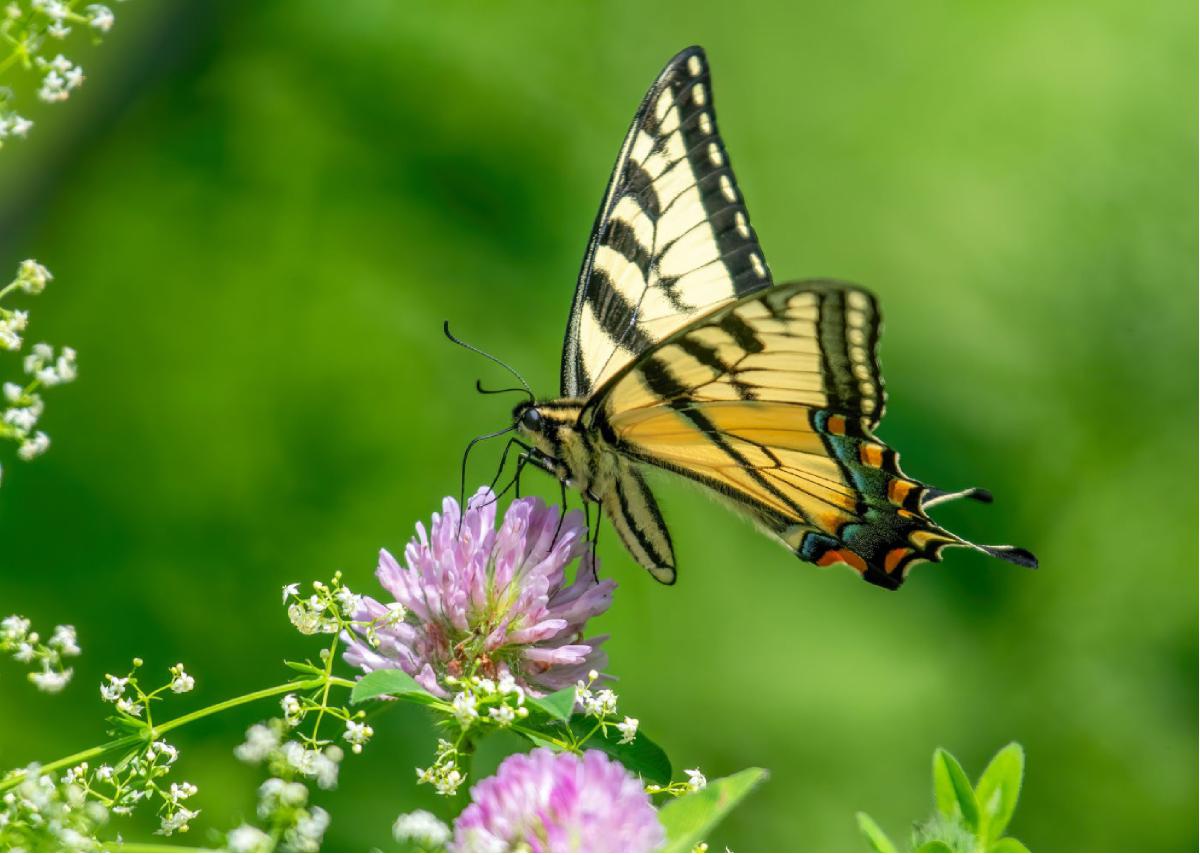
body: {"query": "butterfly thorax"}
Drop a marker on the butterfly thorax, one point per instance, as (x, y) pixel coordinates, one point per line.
(561, 439)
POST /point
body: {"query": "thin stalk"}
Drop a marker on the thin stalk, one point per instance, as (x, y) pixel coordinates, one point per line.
(149, 734)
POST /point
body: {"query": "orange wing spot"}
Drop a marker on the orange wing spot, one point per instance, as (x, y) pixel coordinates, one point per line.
(898, 491)
(836, 425)
(871, 454)
(892, 560)
(906, 514)
(846, 556)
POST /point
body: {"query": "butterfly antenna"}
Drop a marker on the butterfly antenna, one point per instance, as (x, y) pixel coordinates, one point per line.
(482, 391)
(486, 355)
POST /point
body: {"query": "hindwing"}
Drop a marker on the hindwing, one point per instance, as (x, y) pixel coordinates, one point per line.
(672, 239)
(772, 402)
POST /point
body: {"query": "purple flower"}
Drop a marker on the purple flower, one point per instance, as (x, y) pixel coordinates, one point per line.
(490, 603)
(547, 802)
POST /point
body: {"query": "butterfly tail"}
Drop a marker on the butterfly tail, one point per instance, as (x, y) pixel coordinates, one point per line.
(896, 531)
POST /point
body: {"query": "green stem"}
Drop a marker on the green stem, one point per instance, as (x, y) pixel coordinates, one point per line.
(149, 734)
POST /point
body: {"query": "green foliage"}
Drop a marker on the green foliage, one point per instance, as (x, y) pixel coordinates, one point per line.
(390, 683)
(558, 706)
(690, 818)
(642, 755)
(968, 819)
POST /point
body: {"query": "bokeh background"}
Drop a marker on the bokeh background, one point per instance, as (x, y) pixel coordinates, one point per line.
(258, 216)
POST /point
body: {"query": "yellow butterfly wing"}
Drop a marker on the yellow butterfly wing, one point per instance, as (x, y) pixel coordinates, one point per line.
(772, 401)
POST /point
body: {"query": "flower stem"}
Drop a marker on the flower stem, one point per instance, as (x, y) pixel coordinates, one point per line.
(149, 734)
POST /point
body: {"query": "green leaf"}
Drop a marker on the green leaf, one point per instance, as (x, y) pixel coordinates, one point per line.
(952, 790)
(998, 789)
(395, 684)
(688, 819)
(880, 842)
(558, 706)
(933, 846)
(642, 755)
(1008, 844)
(303, 667)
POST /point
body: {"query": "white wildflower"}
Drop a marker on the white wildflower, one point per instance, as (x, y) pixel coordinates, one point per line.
(113, 689)
(696, 779)
(306, 834)
(181, 791)
(292, 590)
(181, 681)
(163, 752)
(508, 686)
(349, 601)
(503, 716)
(247, 838)
(422, 828)
(465, 708)
(31, 275)
(260, 742)
(31, 448)
(357, 735)
(628, 729)
(51, 682)
(14, 628)
(13, 393)
(176, 821)
(128, 707)
(100, 17)
(65, 641)
(10, 338)
(293, 709)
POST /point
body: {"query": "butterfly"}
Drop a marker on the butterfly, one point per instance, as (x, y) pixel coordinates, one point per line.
(682, 354)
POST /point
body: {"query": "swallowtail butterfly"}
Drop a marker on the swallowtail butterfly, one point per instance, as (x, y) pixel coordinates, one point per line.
(682, 354)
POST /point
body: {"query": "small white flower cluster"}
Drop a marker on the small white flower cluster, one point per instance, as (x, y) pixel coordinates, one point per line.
(444, 774)
(503, 700)
(136, 779)
(41, 814)
(18, 638)
(60, 78)
(331, 609)
(25, 26)
(23, 406)
(283, 807)
(51, 370)
(696, 781)
(328, 610)
(181, 681)
(421, 828)
(113, 690)
(265, 742)
(601, 705)
(357, 735)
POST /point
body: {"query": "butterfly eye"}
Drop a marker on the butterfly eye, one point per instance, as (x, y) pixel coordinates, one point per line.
(531, 420)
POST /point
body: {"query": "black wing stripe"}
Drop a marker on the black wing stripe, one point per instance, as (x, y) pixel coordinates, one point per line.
(681, 213)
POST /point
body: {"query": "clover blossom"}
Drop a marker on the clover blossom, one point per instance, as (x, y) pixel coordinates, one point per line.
(480, 601)
(547, 802)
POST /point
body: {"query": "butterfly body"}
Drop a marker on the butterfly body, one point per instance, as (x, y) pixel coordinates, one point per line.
(683, 355)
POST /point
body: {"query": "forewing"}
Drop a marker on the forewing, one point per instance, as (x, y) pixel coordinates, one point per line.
(772, 402)
(672, 239)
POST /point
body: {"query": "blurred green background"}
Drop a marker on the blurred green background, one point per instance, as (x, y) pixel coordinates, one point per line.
(258, 216)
